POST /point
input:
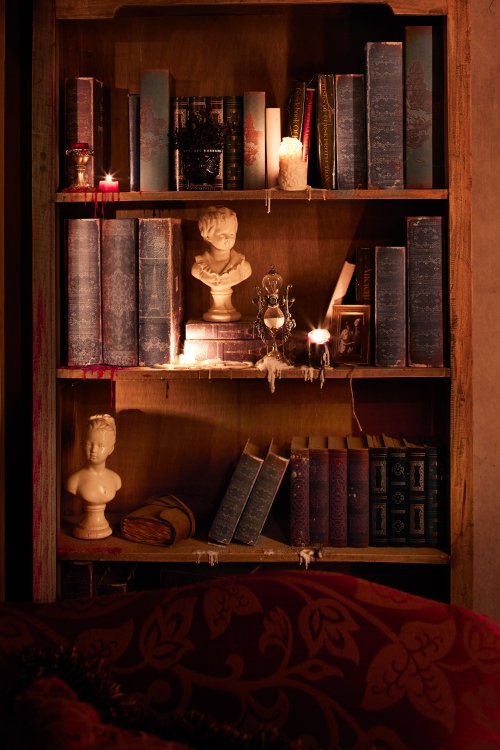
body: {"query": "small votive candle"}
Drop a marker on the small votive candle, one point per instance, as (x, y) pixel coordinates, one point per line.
(292, 166)
(108, 185)
(317, 346)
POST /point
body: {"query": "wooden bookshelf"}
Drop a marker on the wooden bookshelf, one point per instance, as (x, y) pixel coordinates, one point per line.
(184, 428)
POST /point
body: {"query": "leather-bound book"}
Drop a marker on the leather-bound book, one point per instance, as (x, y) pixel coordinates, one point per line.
(424, 250)
(379, 531)
(262, 496)
(216, 109)
(417, 493)
(156, 88)
(299, 491)
(233, 145)
(85, 122)
(319, 481)
(119, 293)
(84, 309)
(160, 290)
(179, 112)
(365, 276)
(434, 518)
(390, 306)
(384, 114)
(337, 480)
(254, 140)
(358, 514)
(295, 109)
(424, 107)
(397, 472)
(325, 129)
(134, 141)
(237, 493)
(350, 130)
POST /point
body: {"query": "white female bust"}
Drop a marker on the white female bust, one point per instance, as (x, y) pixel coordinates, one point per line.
(220, 267)
(94, 484)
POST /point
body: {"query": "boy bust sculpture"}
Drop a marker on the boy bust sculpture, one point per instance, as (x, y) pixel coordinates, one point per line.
(94, 484)
(220, 267)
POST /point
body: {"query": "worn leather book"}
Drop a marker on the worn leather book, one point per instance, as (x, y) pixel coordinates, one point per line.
(378, 492)
(337, 491)
(365, 276)
(319, 481)
(397, 473)
(350, 130)
(295, 109)
(358, 514)
(254, 140)
(325, 129)
(233, 145)
(119, 293)
(417, 492)
(390, 306)
(156, 88)
(85, 115)
(162, 520)
(384, 114)
(299, 491)
(179, 112)
(160, 290)
(216, 109)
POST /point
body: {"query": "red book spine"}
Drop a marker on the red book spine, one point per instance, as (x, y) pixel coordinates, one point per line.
(307, 124)
(338, 497)
(358, 497)
(299, 492)
(318, 491)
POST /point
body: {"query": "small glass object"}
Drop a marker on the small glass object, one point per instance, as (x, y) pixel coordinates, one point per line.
(274, 322)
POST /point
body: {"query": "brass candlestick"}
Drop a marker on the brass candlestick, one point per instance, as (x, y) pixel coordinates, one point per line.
(80, 153)
(274, 321)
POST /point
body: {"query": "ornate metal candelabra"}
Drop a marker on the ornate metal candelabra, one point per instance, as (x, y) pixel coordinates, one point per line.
(274, 323)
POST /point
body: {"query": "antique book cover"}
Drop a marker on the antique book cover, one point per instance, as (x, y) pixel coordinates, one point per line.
(262, 495)
(237, 493)
(365, 276)
(325, 129)
(84, 310)
(161, 254)
(295, 109)
(425, 257)
(134, 141)
(390, 306)
(180, 108)
(378, 492)
(384, 114)
(216, 109)
(299, 491)
(233, 145)
(424, 108)
(397, 473)
(156, 88)
(84, 122)
(227, 350)
(358, 479)
(254, 140)
(350, 131)
(119, 293)
(243, 328)
(337, 480)
(319, 481)
(417, 492)
(307, 125)
(434, 519)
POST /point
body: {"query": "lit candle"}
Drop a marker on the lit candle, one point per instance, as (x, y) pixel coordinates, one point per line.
(108, 185)
(292, 166)
(320, 355)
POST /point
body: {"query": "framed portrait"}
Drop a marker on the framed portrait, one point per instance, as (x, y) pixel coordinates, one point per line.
(350, 334)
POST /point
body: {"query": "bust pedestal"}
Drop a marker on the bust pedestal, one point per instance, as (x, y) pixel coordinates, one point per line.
(221, 310)
(93, 524)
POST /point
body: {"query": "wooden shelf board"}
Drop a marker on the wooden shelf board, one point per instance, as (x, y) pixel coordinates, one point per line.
(314, 194)
(102, 372)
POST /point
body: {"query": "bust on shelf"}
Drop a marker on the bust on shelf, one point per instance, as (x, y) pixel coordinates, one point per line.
(94, 484)
(220, 267)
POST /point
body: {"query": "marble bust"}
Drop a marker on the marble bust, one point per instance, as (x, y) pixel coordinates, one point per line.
(95, 484)
(220, 266)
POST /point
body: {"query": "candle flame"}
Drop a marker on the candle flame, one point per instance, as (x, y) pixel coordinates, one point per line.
(319, 336)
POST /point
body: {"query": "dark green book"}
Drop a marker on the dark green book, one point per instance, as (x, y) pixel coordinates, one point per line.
(397, 472)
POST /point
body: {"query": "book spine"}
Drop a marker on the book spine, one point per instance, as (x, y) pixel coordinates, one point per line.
(254, 140)
(84, 318)
(350, 129)
(156, 88)
(384, 114)
(365, 277)
(295, 109)
(134, 141)
(358, 516)
(337, 480)
(273, 141)
(425, 291)
(160, 290)
(417, 496)
(390, 307)
(216, 109)
(299, 496)
(397, 469)
(84, 123)
(119, 293)
(432, 517)
(233, 145)
(423, 108)
(325, 129)
(318, 495)
(307, 125)
(232, 350)
(235, 329)
(379, 533)
(261, 498)
(179, 113)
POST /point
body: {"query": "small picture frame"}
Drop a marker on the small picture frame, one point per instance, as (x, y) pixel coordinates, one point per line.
(350, 334)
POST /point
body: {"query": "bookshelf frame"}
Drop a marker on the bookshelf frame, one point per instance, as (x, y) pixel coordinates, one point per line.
(49, 543)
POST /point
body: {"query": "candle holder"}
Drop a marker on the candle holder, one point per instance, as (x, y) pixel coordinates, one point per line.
(79, 154)
(274, 322)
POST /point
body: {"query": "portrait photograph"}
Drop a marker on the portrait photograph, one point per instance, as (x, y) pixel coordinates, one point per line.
(350, 334)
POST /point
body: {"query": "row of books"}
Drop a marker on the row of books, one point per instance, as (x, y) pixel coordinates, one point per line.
(124, 297)
(365, 491)
(382, 128)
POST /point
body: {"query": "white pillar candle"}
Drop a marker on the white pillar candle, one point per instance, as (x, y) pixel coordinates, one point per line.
(292, 167)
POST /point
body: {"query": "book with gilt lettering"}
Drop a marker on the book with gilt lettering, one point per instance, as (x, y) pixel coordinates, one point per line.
(254, 140)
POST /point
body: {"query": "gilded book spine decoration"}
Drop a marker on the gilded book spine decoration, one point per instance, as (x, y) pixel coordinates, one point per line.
(179, 113)
(390, 307)
(160, 290)
(379, 536)
(254, 140)
(299, 491)
(84, 122)
(233, 145)
(325, 129)
(119, 292)
(384, 114)
(156, 88)
(84, 318)
(417, 495)
(350, 131)
(397, 467)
